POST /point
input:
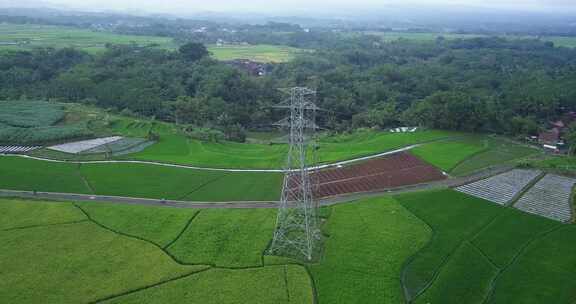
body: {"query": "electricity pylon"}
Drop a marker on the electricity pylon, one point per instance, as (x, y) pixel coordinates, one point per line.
(297, 231)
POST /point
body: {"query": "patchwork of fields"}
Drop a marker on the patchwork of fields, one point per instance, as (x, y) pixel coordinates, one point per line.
(426, 247)
(29, 36)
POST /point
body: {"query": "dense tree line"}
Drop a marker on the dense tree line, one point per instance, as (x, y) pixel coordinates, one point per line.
(482, 84)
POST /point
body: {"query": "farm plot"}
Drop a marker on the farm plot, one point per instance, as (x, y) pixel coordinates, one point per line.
(397, 170)
(447, 154)
(367, 244)
(454, 218)
(544, 273)
(226, 238)
(118, 146)
(500, 151)
(260, 53)
(154, 224)
(152, 181)
(550, 197)
(285, 284)
(29, 36)
(29, 174)
(78, 262)
(17, 149)
(36, 122)
(175, 147)
(502, 188)
(84, 145)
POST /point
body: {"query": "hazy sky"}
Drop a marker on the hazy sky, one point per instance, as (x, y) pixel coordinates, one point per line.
(276, 6)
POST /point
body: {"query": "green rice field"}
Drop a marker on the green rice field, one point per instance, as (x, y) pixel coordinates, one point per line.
(29, 36)
(260, 53)
(424, 247)
(137, 180)
(15, 37)
(480, 251)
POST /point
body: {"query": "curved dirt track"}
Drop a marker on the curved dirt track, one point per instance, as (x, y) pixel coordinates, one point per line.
(336, 164)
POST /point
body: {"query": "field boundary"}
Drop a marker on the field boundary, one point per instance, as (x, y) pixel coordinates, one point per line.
(526, 188)
(444, 261)
(107, 298)
(44, 225)
(485, 149)
(188, 223)
(492, 287)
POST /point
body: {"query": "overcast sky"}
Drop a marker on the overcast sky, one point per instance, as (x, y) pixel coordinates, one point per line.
(287, 6)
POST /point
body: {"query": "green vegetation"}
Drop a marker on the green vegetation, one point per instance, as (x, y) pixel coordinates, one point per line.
(78, 262)
(544, 273)
(454, 217)
(448, 153)
(152, 181)
(228, 238)
(28, 174)
(17, 214)
(261, 53)
(29, 114)
(28, 36)
(367, 244)
(266, 285)
(33, 122)
(466, 154)
(176, 148)
(137, 180)
(499, 151)
(157, 225)
(561, 164)
(431, 37)
(481, 252)
(495, 239)
(465, 278)
(476, 252)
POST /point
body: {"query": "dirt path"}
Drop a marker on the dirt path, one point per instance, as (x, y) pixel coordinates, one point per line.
(336, 164)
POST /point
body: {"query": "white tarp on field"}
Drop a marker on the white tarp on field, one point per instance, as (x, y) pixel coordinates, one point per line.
(81, 146)
(16, 149)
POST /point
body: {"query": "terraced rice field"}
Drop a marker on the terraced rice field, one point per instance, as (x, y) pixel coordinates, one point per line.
(502, 188)
(550, 197)
(397, 170)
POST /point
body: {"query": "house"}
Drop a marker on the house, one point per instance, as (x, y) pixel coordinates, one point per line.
(251, 67)
(550, 140)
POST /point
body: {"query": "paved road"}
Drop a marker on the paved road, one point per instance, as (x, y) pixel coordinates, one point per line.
(248, 204)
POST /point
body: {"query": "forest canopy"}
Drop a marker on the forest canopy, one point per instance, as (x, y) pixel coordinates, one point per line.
(480, 84)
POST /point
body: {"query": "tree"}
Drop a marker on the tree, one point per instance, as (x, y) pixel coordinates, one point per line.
(571, 138)
(193, 51)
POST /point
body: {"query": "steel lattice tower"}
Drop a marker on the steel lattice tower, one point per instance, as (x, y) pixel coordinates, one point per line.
(297, 229)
